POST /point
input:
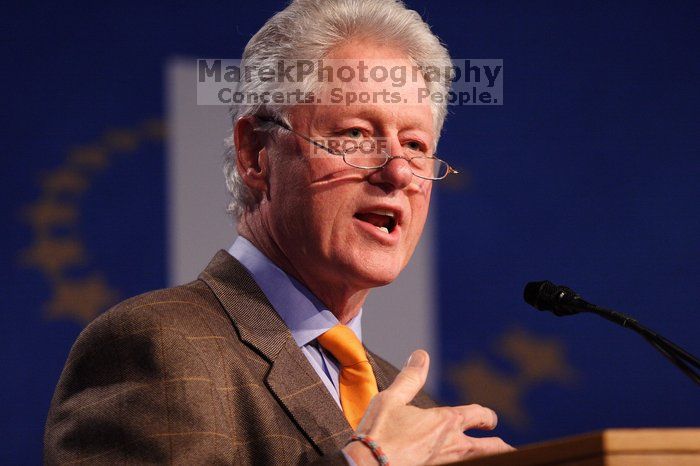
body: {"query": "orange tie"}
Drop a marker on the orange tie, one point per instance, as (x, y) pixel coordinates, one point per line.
(357, 382)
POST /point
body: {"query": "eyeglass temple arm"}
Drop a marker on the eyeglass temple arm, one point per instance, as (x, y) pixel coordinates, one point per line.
(284, 125)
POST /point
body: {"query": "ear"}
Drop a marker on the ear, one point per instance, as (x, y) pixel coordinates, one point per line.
(251, 160)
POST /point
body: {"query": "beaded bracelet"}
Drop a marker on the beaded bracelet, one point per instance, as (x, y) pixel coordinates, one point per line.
(376, 450)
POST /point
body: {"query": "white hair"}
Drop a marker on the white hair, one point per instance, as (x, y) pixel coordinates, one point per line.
(310, 29)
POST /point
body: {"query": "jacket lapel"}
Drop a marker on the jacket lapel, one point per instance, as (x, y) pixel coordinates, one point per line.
(291, 378)
(382, 380)
(307, 400)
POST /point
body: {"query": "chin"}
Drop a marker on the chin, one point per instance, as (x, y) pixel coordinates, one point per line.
(376, 272)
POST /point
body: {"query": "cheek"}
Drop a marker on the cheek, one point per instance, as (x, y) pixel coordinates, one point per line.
(419, 209)
(425, 188)
(325, 217)
(422, 201)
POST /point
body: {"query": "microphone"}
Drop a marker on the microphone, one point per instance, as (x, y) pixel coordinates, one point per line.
(563, 301)
(546, 296)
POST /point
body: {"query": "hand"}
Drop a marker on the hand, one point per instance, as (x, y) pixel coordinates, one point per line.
(414, 436)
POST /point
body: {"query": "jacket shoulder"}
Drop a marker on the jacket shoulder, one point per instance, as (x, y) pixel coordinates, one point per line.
(146, 371)
(194, 302)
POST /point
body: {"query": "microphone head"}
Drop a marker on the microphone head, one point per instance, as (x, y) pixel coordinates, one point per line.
(546, 296)
(536, 293)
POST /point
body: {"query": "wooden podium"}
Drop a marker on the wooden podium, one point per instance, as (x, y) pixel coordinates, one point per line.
(612, 447)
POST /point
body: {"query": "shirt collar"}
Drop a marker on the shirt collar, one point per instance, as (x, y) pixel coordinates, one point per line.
(304, 314)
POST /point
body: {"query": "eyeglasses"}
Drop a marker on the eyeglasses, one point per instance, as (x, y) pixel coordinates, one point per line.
(368, 154)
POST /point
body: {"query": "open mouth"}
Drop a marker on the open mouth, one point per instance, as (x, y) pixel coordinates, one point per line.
(383, 220)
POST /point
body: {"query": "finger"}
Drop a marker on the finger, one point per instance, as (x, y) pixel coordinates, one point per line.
(459, 447)
(477, 417)
(411, 378)
(487, 446)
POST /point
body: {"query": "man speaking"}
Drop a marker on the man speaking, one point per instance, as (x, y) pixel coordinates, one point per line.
(260, 360)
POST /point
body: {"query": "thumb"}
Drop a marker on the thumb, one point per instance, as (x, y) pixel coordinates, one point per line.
(411, 378)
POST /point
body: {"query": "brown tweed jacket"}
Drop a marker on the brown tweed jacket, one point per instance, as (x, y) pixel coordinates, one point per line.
(204, 373)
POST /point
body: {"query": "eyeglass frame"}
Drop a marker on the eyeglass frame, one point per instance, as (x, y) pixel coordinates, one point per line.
(387, 159)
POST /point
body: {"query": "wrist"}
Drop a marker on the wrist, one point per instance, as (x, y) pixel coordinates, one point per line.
(371, 446)
(360, 454)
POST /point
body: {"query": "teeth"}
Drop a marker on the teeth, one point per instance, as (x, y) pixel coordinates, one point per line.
(384, 229)
(388, 213)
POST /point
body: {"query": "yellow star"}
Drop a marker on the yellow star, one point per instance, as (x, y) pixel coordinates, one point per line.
(538, 358)
(93, 157)
(48, 212)
(458, 182)
(121, 140)
(64, 181)
(81, 300)
(479, 383)
(53, 255)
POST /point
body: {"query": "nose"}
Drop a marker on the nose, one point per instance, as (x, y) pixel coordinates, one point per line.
(396, 174)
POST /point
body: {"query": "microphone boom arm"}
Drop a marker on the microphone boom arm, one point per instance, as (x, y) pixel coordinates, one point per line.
(674, 353)
(562, 301)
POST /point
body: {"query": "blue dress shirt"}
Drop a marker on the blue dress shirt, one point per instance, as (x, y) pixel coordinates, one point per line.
(304, 314)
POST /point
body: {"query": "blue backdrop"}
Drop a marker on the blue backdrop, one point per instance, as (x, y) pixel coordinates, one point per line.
(587, 175)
